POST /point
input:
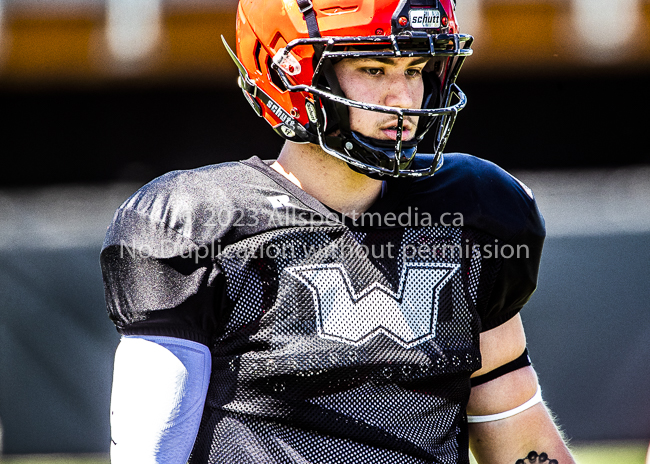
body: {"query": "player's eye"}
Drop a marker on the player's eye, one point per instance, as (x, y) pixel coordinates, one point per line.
(413, 72)
(374, 71)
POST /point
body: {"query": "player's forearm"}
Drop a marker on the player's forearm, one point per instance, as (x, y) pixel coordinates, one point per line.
(512, 440)
(159, 388)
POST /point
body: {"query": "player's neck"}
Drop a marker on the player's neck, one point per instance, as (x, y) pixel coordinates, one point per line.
(327, 179)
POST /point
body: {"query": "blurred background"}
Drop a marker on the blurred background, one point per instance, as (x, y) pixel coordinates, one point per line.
(101, 96)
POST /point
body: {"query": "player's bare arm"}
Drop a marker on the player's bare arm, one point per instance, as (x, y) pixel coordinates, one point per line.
(508, 436)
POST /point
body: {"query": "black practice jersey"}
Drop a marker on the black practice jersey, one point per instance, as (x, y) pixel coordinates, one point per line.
(332, 340)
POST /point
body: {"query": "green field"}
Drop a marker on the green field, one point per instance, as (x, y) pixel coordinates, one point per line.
(585, 453)
(609, 452)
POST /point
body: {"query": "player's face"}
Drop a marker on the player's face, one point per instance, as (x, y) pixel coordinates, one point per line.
(395, 82)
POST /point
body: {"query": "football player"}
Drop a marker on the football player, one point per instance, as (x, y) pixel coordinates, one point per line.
(355, 300)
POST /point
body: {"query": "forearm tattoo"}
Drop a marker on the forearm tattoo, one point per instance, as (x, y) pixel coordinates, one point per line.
(533, 457)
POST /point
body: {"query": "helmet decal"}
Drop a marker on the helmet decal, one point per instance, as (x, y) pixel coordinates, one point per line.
(424, 18)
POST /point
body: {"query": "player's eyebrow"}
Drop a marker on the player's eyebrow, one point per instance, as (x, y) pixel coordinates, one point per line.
(390, 60)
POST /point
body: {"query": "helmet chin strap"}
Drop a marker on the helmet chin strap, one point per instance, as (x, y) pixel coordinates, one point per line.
(309, 15)
(371, 151)
(387, 149)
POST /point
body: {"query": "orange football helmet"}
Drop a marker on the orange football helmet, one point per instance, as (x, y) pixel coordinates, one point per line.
(285, 55)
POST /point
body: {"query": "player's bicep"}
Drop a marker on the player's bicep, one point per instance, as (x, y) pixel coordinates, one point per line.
(499, 347)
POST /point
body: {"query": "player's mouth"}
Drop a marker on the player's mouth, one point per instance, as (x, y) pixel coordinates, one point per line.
(389, 131)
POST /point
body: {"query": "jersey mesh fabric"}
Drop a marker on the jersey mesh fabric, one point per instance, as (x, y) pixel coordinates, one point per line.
(345, 346)
(332, 341)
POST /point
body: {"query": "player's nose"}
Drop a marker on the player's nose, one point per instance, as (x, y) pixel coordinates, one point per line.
(399, 92)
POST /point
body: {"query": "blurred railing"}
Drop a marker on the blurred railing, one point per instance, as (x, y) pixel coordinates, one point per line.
(45, 41)
(105, 40)
(562, 36)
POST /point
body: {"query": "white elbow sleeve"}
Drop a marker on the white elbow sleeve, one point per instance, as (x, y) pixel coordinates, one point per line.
(159, 389)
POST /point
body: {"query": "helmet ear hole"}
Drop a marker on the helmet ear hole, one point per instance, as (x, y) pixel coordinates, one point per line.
(273, 74)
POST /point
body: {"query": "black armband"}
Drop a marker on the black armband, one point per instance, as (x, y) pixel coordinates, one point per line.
(518, 363)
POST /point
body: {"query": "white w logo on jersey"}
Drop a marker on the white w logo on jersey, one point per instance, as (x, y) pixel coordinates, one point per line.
(408, 316)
